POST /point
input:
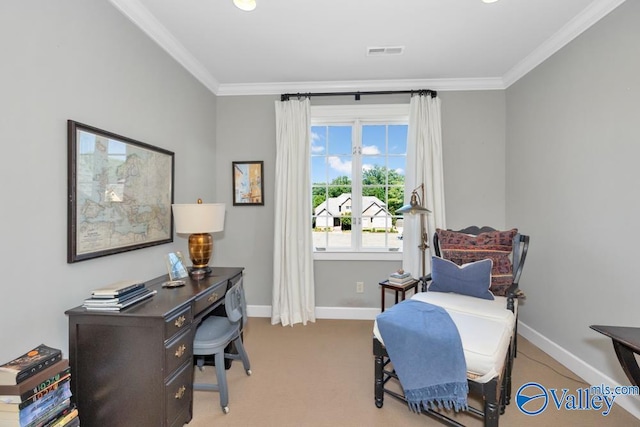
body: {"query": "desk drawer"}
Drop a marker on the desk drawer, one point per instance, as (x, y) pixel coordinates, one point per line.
(178, 351)
(181, 321)
(179, 392)
(210, 297)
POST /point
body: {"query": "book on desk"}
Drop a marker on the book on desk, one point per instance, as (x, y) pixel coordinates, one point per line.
(118, 296)
(117, 289)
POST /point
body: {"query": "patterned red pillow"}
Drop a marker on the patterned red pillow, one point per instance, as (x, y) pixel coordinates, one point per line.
(462, 248)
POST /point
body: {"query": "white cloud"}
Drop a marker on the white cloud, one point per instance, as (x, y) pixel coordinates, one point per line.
(316, 148)
(339, 165)
(370, 150)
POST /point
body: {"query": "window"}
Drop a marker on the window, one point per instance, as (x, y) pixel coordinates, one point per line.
(358, 163)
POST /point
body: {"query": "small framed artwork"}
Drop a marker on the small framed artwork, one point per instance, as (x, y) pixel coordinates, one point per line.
(248, 183)
(175, 266)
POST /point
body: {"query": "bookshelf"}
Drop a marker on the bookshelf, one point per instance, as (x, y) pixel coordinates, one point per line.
(135, 367)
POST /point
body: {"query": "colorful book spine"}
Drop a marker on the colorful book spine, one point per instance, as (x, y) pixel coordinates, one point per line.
(18, 392)
(34, 398)
(45, 408)
(64, 419)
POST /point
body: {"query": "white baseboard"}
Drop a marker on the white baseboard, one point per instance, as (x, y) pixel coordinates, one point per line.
(347, 313)
(258, 310)
(579, 367)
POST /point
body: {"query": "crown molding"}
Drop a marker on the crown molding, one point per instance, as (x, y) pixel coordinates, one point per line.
(141, 17)
(592, 14)
(362, 86)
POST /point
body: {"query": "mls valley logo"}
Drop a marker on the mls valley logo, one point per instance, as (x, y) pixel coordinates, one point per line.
(533, 398)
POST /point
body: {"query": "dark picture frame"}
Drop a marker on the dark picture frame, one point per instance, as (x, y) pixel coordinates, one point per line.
(120, 193)
(248, 183)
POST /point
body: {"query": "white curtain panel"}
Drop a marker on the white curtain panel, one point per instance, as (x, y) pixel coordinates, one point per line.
(293, 299)
(424, 166)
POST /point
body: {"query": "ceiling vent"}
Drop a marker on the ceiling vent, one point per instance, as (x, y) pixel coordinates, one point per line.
(383, 51)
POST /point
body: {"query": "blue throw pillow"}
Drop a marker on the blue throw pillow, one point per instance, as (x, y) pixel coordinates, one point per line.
(471, 279)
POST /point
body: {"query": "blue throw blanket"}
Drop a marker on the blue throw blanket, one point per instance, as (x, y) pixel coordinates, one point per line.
(425, 349)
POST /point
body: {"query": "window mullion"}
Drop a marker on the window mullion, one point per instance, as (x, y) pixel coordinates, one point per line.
(356, 187)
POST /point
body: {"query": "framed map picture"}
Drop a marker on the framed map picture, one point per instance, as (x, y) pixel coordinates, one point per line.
(248, 185)
(120, 193)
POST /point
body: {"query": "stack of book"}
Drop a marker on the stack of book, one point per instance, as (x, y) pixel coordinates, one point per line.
(400, 278)
(35, 390)
(118, 296)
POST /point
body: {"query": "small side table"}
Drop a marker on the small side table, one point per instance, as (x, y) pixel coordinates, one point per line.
(398, 289)
(626, 342)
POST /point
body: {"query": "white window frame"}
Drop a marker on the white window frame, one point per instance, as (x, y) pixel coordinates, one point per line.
(325, 114)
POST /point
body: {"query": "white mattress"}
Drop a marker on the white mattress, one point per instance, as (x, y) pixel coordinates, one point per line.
(485, 329)
(496, 309)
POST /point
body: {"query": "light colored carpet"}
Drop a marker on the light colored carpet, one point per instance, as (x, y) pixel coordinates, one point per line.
(322, 375)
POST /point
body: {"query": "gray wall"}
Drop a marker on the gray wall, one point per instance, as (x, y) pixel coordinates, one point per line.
(474, 153)
(572, 184)
(81, 60)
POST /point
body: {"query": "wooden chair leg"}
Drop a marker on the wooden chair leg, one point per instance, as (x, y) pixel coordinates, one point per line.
(379, 381)
(491, 404)
(508, 370)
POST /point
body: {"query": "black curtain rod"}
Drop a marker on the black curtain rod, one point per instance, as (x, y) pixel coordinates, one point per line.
(287, 96)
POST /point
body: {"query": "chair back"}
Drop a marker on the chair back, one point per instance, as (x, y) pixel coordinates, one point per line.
(235, 304)
(518, 255)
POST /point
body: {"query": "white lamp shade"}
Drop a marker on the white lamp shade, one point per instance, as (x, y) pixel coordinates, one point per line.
(199, 218)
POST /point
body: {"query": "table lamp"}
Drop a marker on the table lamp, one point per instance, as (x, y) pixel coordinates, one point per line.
(199, 220)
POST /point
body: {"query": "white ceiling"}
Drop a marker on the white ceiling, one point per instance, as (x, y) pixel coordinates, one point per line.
(321, 45)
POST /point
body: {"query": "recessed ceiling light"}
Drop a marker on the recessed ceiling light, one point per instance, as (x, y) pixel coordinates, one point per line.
(489, 1)
(246, 5)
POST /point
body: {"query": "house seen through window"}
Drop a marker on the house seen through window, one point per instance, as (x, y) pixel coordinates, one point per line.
(358, 165)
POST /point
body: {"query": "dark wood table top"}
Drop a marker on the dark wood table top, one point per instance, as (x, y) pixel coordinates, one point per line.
(629, 336)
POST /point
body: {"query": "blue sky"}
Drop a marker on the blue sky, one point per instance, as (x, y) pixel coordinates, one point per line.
(331, 149)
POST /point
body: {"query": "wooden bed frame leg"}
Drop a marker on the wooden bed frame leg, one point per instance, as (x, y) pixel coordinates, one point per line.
(507, 391)
(379, 381)
(491, 404)
(503, 397)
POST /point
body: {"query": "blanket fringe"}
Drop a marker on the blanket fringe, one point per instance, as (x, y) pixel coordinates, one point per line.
(440, 396)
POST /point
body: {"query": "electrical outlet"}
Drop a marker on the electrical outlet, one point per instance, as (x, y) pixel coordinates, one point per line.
(360, 287)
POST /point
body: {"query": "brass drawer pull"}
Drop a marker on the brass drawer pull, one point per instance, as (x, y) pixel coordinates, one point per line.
(180, 321)
(181, 350)
(180, 393)
(213, 297)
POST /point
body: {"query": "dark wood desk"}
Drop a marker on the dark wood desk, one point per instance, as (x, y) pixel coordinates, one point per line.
(398, 289)
(135, 367)
(626, 342)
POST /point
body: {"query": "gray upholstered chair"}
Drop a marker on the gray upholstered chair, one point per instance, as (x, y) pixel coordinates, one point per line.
(214, 334)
